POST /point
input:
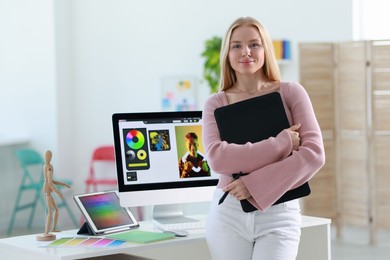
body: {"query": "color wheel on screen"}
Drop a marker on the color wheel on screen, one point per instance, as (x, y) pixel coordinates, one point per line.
(135, 139)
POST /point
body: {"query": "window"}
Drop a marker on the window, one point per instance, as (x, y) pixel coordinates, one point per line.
(371, 19)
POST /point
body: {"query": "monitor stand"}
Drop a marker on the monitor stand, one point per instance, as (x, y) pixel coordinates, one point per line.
(171, 217)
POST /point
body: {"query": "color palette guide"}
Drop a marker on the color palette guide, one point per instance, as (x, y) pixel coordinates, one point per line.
(86, 242)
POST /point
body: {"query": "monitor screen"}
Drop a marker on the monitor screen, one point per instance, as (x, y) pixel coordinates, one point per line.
(160, 158)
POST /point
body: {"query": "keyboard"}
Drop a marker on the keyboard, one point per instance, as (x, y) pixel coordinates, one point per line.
(180, 223)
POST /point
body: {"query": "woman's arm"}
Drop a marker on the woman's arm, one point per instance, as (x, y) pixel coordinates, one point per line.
(226, 158)
(269, 183)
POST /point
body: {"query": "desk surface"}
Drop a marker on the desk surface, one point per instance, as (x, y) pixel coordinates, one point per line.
(17, 247)
(27, 246)
(308, 221)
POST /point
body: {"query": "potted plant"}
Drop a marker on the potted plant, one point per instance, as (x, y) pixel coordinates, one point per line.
(211, 68)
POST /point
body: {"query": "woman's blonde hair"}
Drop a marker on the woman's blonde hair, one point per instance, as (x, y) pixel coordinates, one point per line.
(270, 68)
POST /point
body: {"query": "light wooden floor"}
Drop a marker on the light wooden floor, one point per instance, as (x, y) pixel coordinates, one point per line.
(354, 245)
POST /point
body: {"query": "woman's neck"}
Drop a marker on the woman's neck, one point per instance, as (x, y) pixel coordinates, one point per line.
(250, 85)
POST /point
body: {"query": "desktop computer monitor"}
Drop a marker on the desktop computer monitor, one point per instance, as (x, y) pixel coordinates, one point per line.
(160, 161)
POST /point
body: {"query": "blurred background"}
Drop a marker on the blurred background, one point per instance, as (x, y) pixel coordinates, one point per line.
(67, 65)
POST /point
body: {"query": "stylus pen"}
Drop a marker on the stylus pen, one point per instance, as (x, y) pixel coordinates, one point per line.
(235, 177)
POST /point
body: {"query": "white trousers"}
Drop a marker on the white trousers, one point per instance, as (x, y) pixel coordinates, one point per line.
(233, 234)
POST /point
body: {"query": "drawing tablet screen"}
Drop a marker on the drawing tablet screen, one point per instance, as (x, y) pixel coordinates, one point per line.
(103, 211)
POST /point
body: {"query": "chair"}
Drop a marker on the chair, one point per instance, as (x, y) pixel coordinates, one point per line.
(32, 182)
(100, 156)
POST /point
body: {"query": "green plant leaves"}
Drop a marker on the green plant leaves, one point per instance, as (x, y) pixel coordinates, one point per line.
(211, 68)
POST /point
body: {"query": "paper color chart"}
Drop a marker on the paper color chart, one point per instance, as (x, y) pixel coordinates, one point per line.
(86, 242)
(105, 211)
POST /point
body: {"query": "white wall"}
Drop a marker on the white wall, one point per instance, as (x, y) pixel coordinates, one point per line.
(27, 71)
(28, 103)
(122, 49)
(61, 83)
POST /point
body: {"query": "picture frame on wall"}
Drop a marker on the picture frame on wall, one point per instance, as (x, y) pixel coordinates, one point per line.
(178, 93)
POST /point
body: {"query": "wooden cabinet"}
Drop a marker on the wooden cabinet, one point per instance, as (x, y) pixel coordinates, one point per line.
(355, 122)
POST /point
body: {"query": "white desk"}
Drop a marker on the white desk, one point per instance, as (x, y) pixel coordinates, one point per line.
(315, 244)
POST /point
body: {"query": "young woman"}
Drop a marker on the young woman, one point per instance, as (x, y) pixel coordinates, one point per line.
(275, 165)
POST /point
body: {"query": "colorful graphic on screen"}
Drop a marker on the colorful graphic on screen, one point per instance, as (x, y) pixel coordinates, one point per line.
(105, 210)
(159, 140)
(136, 149)
(191, 159)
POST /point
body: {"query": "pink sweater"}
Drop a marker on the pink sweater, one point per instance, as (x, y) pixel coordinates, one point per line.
(273, 171)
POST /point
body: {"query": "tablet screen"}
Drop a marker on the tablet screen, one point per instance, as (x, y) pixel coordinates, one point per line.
(103, 212)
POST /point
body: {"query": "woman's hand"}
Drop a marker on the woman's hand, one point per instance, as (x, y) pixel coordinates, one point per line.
(238, 189)
(295, 140)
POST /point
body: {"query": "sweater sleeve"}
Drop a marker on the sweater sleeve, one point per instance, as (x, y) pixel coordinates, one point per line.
(228, 158)
(269, 183)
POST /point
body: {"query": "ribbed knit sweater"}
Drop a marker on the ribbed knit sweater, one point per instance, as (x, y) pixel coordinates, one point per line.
(273, 166)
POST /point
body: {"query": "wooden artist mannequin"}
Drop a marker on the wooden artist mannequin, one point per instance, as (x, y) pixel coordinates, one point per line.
(48, 188)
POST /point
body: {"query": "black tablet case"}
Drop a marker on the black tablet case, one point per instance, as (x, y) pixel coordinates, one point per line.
(253, 120)
(85, 229)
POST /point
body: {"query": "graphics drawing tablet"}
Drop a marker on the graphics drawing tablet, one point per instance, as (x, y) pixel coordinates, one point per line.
(104, 214)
